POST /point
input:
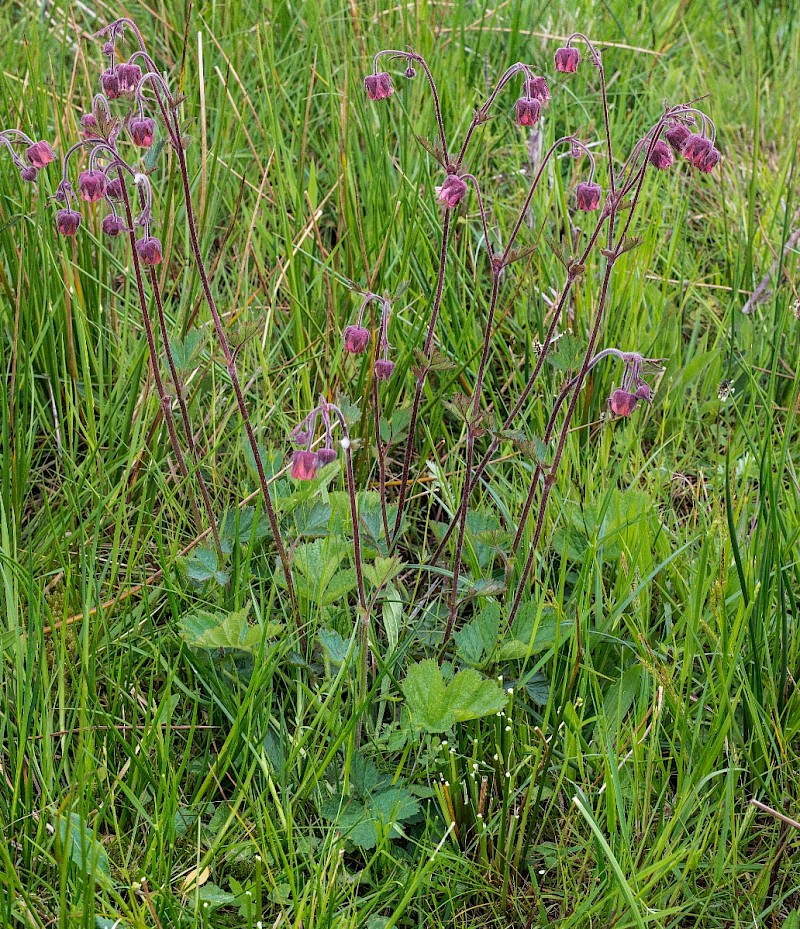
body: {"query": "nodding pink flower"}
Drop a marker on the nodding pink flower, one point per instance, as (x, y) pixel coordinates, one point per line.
(113, 225)
(567, 59)
(149, 249)
(67, 222)
(356, 339)
(710, 160)
(378, 86)
(677, 135)
(304, 466)
(536, 88)
(695, 149)
(528, 110)
(114, 189)
(128, 76)
(109, 81)
(40, 154)
(143, 130)
(622, 402)
(643, 392)
(588, 195)
(661, 156)
(28, 173)
(326, 456)
(300, 436)
(89, 125)
(452, 191)
(92, 185)
(384, 369)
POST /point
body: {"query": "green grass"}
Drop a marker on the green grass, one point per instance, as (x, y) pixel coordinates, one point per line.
(672, 539)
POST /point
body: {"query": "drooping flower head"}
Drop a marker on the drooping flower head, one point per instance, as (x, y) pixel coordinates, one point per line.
(527, 111)
(149, 250)
(677, 135)
(384, 368)
(109, 81)
(536, 89)
(114, 189)
(304, 465)
(40, 154)
(327, 456)
(452, 191)
(378, 86)
(92, 185)
(624, 400)
(356, 339)
(28, 173)
(113, 225)
(567, 59)
(143, 130)
(695, 148)
(661, 156)
(128, 76)
(67, 222)
(587, 196)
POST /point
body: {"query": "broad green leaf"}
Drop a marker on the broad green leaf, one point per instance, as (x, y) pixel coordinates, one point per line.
(203, 565)
(83, 849)
(533, 633)
(382, 570)
(476, 641)
(225, 630)
(436, 706)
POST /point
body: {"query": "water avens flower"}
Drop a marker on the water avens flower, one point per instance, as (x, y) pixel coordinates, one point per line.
(67, 222)
(384, 368)
(327, 456)
(304, 465)
(356, 339)
(695, 149)
(452, 191)
(661, 156)
(89, 125)
(567, 60)
(527, 111)
(378, 86)
(114, 189)
(92, 185)
(536, 88)
(28, 173)
(113, 225)
(622, 402)
(128, 76)
(587, 195)
(40, 154)
(710, 160)
(143, 130)
(109, 81)
(677, 135)
(149, 250)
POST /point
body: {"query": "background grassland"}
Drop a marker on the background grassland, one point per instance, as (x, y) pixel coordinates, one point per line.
(674, 535)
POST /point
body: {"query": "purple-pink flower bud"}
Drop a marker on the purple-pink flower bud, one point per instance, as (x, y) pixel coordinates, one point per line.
(643, 392)
(567, 60)
(114, 189)
(622, 402)
(149, 249)
(40, 154)
(356, 339)
(304, 466)
(677, 135)
(384, 369)
(452, 191)
(536, 88)
(113, 225)
(143, 130)
(661, 156)
(128, 76)
(92, 185)
(67, 222)
(695, 149)
(109, 81)
(89, 125)
(378, 86)
(710, 160)
(588, 195)
(28, 173)
(326, 456)
(528, 110)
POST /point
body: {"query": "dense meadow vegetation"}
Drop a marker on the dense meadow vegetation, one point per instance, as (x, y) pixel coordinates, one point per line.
(322, 620)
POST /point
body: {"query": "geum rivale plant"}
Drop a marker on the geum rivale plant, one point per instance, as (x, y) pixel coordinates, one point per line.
(133, 108)
(680, 130)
